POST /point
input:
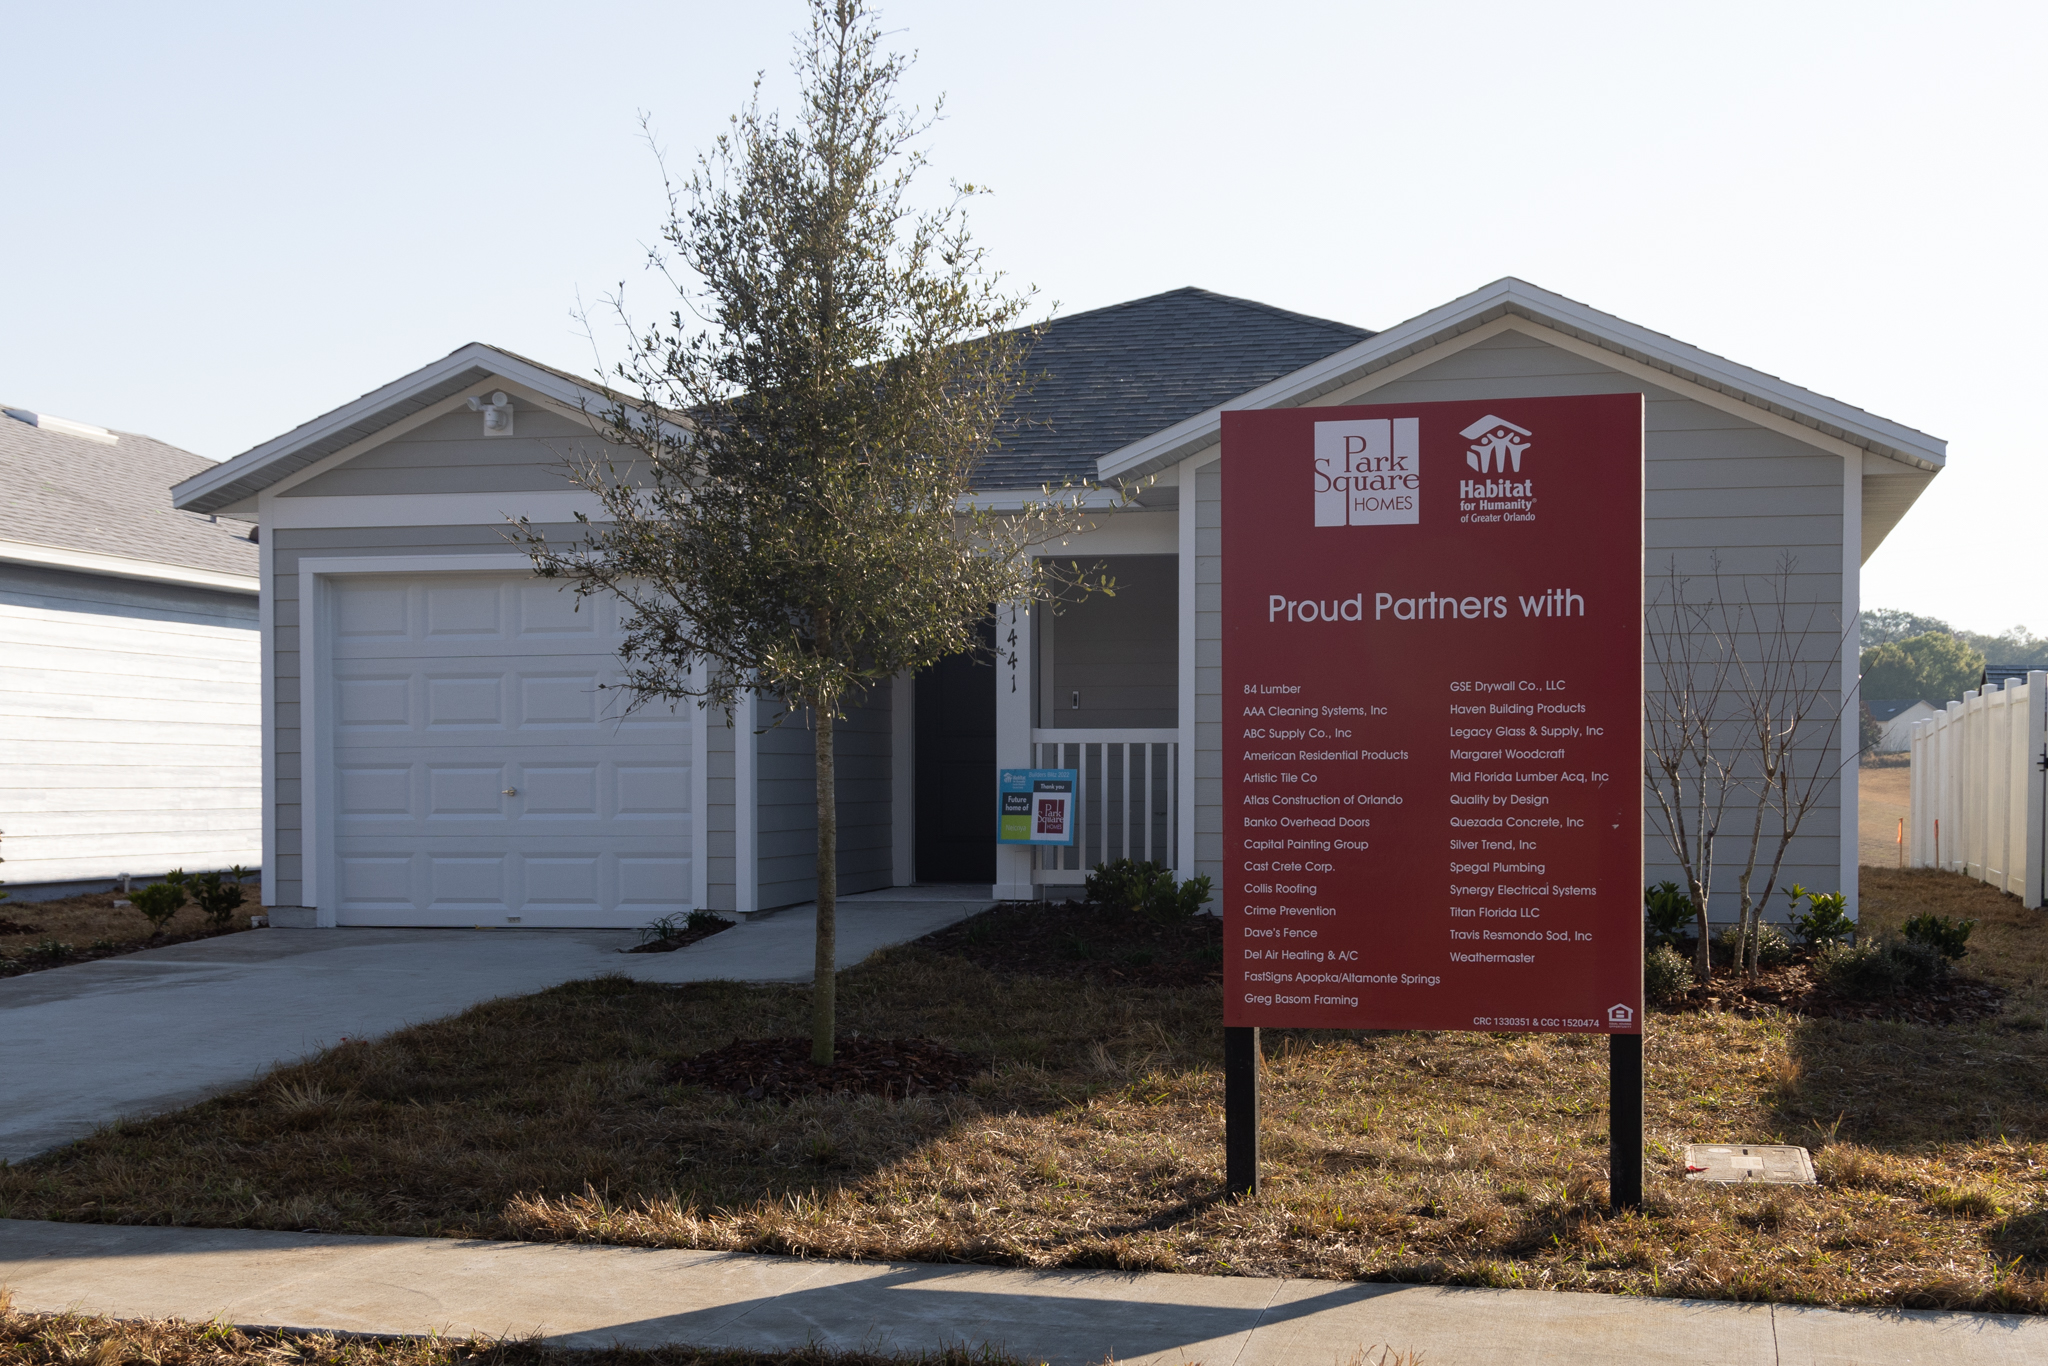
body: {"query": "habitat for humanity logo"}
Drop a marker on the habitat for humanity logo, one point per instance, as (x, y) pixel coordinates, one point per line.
(1497, 446)
(1368, 472)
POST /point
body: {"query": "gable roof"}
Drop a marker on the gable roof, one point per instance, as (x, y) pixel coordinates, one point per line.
(1112, 375)
(261, 466)
(1510, 297)
(72, 499)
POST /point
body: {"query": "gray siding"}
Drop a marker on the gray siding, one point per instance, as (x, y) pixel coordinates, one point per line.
(721, 837)
(451, 454)
(1119, 654)
(1717, 488)
(788, 794)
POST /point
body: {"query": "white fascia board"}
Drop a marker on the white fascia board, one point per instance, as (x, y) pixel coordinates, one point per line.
(476, 355)
(1016, 500)
(1510, 296)
(116, 566)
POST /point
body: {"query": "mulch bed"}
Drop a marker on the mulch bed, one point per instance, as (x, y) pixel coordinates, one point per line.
(16, 927)
(64, 955)
(782, 1070)
(1956, 999)
(682, 940)
(1076, 939)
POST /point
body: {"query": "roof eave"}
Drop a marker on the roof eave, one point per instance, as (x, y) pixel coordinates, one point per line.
(249, 473)
(1518, 298)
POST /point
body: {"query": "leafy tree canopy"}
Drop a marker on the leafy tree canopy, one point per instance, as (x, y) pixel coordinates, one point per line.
(1933, 665)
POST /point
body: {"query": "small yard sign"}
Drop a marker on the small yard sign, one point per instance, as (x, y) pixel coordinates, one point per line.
(1036, 805)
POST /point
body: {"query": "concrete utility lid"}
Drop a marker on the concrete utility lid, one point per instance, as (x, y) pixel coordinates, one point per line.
(1777, 1164)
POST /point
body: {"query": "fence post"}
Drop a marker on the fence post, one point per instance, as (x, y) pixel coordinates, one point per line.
(2035, 775)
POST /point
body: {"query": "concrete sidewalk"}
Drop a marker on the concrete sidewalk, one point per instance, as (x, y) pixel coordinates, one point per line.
(89, 1044)
(592, 1297)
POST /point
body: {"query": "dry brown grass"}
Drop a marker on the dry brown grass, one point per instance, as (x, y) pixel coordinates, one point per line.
(1093, 1138)
(86, 1340)
(95, 927)
(1883, 799)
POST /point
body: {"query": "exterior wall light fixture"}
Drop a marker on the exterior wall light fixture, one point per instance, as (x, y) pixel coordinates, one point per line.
(497, 413)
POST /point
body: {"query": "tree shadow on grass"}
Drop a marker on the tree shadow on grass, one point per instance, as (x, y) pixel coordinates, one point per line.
(1902, 1087)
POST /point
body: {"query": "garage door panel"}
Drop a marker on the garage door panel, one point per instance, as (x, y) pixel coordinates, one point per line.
(466, 882)
(563, 699)
(463, 608)
(656, 886)
(374, 793)
(448, 691)
(562, 882)
(465, 702)
(377, 881)
(373, 702)
(465, 792)
(651, 790)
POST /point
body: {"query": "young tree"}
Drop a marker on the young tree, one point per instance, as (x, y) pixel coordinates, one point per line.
(790, 511)
(1741, 711)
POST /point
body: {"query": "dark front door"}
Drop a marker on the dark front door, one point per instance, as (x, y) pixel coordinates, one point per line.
(956, 769)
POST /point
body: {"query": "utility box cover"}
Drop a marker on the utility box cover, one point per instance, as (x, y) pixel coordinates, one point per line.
(1773, 1164)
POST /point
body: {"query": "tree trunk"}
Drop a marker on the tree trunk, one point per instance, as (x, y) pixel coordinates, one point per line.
(824, 984)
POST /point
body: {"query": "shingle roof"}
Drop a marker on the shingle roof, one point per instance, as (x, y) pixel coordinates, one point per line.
(1885, 708)
(71, 492)
(1113, 375)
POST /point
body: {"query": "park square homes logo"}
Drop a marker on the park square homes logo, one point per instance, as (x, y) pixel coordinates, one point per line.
(1496, 450)
(1368, 472)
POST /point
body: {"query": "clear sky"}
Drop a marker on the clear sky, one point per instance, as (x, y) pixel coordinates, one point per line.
(220, 220)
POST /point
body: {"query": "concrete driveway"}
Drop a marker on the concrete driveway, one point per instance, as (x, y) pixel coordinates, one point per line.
(127, 1037)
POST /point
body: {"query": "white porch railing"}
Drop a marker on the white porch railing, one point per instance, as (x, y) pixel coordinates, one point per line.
(1129, 799)
(1979, 789)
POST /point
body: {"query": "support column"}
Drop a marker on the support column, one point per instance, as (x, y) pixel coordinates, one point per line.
(746, 808)
(700, 795)
(1184, 779)
(1241, 1062)
(1851, 731)
(2034, 720)
(903, 779)
(1013, 740)
(1624, 1121)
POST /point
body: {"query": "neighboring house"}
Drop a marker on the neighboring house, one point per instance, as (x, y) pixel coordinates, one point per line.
(1897, 717)
(1998, 675)
(130, 723)
(439, 751)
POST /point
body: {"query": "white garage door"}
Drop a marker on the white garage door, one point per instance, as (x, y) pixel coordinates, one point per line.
(480, 776)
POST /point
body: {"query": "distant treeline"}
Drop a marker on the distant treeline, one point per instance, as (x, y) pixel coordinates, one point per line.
(1907, 656)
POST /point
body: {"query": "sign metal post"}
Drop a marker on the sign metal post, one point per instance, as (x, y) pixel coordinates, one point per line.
(1432, 732)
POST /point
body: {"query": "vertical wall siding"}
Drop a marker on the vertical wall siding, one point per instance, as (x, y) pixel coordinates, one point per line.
(1716, 487)
(788, 794)
(130, 727)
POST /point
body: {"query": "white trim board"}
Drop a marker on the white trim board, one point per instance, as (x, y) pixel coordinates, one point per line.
(120, 567)
(428, 509)
(1622, 345)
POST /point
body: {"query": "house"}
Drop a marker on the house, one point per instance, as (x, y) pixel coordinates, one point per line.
(437, 749)
(130, 727)
(1997, 675)
(1897, 716)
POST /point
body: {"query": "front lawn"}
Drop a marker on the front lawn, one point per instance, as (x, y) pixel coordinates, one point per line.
(1092, 1135)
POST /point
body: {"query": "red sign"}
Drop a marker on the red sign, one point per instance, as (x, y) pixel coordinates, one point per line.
(1432, 716)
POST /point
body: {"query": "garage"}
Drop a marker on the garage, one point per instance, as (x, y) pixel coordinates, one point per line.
(482, 767)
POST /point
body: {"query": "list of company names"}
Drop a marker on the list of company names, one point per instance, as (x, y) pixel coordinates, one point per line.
(1430, 796)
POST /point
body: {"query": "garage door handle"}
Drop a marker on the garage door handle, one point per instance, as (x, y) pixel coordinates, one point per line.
(511, 792)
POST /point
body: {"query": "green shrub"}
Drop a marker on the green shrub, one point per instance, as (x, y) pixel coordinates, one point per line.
(1947, 937)
(218, 898)
(707, 920)
(1667, 914)
(158, 902)
(1147, 889)
(1773, 948)
(1666, 974)
(1879, 968)
(1825, 919)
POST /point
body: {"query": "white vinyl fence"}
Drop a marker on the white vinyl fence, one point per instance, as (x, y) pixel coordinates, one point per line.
(1980, 789)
